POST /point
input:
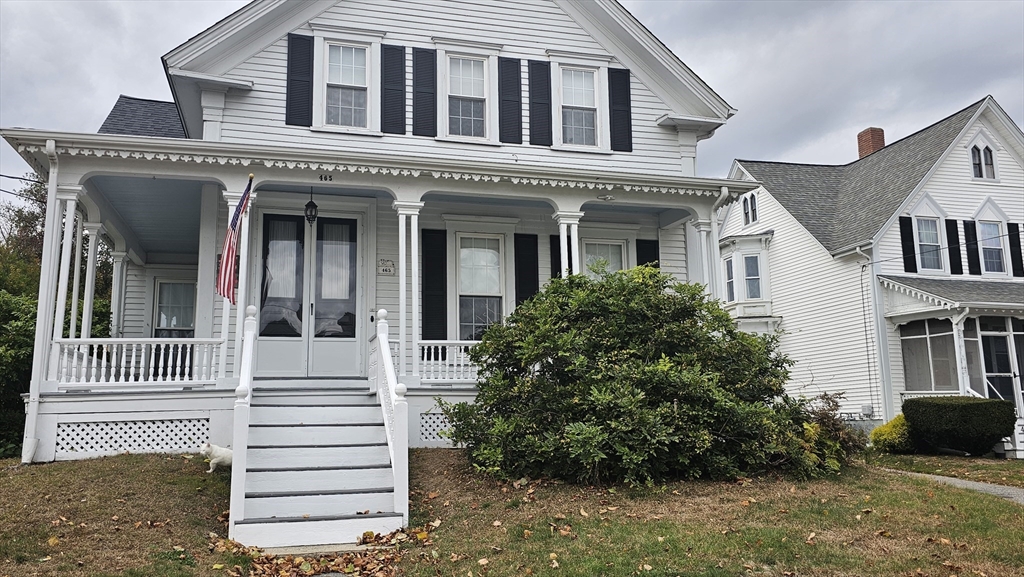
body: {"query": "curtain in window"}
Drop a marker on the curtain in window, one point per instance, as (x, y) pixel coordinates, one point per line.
(336, 267)
(282, 260)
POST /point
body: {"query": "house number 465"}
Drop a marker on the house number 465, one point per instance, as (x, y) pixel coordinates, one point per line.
(326, 178)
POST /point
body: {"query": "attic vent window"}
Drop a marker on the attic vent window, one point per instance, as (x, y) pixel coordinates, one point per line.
(346, 86)
(982, 162)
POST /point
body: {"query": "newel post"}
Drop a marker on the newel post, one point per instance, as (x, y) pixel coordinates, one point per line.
(240, 433)
(401, 464)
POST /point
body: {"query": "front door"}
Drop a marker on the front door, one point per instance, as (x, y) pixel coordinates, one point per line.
(310, 286)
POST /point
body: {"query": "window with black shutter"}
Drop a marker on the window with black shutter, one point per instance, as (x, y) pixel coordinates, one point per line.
(527, 271)
(907, 244)
(299, 83)
(539, 76)
(648, 252)
(424, 92)
(510, 100)
(434, 251)
(392, 89)
(621, 121)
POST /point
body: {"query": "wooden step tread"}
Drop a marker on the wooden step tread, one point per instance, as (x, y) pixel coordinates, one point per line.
(320, 468)
(266, 495)
(323, 446)
(314, 519)
(371, 424)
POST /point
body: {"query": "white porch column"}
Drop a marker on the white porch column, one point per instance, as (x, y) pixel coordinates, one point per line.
(231, 198)
(206, 269)
(412, 211)
(702, 255)
(77, 279)
(963, 378)
(65, 268)
(117, 292)
(94, 229)
(568, 230)
(715, 257)
(243, 285)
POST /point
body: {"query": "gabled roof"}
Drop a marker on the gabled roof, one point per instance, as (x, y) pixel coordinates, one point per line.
(844, 206)
(959, 292)
(142, 117)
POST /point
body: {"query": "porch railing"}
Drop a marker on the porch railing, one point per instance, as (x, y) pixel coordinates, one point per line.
(137, 361)
(240, 432)
(391, 394)
(447, 362)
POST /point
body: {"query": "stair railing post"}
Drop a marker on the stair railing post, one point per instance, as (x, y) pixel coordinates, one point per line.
(240, 434)
(400, 463)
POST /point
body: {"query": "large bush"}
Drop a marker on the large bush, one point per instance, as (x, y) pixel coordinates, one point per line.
(893, 437)
(965, 424)
(633, 377)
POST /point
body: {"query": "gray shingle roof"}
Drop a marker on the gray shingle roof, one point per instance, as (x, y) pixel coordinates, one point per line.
(965, 291)
(141, 117)
(846, 205)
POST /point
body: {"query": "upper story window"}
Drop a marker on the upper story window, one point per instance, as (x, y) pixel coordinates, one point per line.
(982, 162)
(480, 283)
(991, 241)
(730, 281)
(467, 97)
(346, 86)
(579, 107)
(752, 276)
(928, 243)
(749, 209)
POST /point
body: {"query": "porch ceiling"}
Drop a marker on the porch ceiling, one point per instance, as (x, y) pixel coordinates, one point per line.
(163, 213)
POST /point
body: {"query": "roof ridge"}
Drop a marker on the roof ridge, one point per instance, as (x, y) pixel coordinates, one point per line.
(929, 127)
(145, 99)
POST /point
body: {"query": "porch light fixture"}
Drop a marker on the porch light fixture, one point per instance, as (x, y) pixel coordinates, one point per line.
(311, 209)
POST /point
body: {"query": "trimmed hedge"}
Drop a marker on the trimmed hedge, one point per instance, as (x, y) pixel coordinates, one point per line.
(963, 423)
(893, 437)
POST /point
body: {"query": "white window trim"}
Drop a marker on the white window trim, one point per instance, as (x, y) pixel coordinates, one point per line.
(608, 233)
(926, 207)
(598, 65)
(164, 273)
(736, 251)
(458, 225)
(1003, 246)
(981, 140)
(759, 277)
(156, 301)
(450, 48)
(728, 262)
(324, 36)
(753, 207)
(622, 243)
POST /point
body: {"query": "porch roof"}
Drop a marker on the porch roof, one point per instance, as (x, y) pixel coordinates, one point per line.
(956, 293)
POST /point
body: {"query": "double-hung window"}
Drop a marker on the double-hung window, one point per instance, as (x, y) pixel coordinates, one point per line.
(480, 282)
(991, 241)
(928, 243)
(982, 162)
(175, 310)
(608, 256)
(467, 102)
(752, 276)
(579, 107)
(730, 281)
(346, 86)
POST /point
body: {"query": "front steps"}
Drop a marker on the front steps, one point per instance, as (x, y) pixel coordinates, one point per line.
(318, 470)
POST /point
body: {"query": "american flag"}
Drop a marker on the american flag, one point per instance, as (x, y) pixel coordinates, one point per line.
(226, 275)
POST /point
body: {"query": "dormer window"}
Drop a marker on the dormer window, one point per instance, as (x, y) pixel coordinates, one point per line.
(991, 247)
(579, 107)
(928, 244)
(467, 97)
(346, 86)
(982, 162)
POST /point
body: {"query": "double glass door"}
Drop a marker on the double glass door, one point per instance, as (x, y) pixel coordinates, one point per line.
(310, 285)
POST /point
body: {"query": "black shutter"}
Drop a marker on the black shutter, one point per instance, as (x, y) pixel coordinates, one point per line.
(1016, 259)
(907, 240)
(510, 100)
(392, 89)
(620, 110)
(527, 271)
(956, 265)
(540, 102)
(298, 108)
(434, 248)
(556, 256)
(647, 252)
(971, 240)
(424, 92)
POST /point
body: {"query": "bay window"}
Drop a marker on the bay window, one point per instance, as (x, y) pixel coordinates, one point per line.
(752, 276)
(480, 284)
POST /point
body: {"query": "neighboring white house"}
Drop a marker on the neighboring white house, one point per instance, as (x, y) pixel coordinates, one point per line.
(897, 275)
(458, 155)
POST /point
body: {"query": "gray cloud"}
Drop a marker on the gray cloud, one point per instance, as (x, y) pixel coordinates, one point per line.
(805, 76)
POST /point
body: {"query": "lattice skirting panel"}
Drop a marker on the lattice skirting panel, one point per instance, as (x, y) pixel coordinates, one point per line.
(109, 437)
(431, 425)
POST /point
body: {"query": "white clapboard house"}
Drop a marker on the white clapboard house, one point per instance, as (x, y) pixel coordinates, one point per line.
(894, 276)
(420, 168)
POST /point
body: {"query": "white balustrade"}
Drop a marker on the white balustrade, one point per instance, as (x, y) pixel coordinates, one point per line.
(391, 394)
(122, 362)
(447, 362)
(240, 432)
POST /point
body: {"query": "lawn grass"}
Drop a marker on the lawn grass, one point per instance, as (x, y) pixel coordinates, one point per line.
(998, 471)
(864, 522)
(121, 516)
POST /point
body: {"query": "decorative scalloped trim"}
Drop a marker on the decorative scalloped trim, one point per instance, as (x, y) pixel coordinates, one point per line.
(363, 168)
(918, 294)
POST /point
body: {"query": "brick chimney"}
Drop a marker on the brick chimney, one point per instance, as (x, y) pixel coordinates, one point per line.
(869, 140)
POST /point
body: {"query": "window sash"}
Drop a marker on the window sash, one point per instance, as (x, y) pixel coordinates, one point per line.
(466, 77)
(929, 356)
(176, 305)
(730, 288)
(612, 253)
(466, 116)
(752, 276)
(346, 65)
(991, 247)
(753, 208)
(976, 161)
(746, 211)
(579, 126)
(480, 266)
(346, 106)
(578, 88)
(929, 244)
(990, 168)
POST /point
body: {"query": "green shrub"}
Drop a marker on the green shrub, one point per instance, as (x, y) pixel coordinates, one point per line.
(963, 423)
(893, 437)
(634, 377)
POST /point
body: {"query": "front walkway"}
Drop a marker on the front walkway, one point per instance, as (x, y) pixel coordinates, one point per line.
(1015, 494)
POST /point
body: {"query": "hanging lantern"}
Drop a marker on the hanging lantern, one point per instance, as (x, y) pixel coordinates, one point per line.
(311, 210)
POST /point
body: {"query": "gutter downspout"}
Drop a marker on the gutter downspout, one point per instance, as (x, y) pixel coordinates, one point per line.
(44, 313)
(881, 342)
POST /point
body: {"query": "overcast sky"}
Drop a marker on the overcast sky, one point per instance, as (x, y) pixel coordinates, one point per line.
(805, 76)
